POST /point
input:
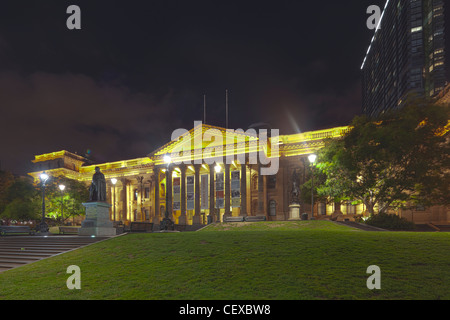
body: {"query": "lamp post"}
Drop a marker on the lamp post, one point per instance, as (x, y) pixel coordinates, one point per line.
(43, 227)
(62, 188)
(312, 160)
(114, 181)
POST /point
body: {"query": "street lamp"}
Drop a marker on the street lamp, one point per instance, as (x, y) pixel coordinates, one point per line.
(43, 227)
(114, 181)
(62, 188)
(312, 159)
(167, 159)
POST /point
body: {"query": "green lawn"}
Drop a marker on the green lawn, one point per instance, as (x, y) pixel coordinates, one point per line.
(264, 260)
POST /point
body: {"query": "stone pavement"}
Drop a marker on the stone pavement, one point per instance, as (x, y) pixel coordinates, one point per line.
(16, 251)
(360, 226)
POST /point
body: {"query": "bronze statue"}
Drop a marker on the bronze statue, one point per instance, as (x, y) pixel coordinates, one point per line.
(295, 191)
(97, 191)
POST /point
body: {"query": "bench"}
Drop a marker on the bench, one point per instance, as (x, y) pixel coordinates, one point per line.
(255, 218)
(233, 219)
(15, 229)
(141, 227)
(64, 230)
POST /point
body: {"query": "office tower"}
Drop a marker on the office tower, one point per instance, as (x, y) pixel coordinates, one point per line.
(406, 55)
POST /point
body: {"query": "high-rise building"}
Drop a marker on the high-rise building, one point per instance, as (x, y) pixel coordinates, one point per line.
(406, 55)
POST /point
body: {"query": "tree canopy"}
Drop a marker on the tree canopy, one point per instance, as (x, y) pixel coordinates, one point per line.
(397, 159)
(21, 200)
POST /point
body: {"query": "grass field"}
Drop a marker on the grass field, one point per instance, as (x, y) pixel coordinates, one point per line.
(248, 261)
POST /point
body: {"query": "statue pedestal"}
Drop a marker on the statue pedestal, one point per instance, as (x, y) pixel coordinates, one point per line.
(294, 211)
(97, 222)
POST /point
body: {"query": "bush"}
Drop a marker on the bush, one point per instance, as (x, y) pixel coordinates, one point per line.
(390, 222)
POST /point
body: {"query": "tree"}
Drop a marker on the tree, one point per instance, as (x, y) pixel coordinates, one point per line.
(22, 201)
(70, 201)
(6, 179)
(399, 157)
(319, 180)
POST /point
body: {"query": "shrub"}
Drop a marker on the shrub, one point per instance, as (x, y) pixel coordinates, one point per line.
(390, 222)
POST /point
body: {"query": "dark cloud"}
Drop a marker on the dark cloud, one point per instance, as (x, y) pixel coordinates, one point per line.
(138, 70)
(46, 112)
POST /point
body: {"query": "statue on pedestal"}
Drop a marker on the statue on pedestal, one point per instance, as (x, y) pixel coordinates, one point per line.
(97, 191)
(295, 191)
(294, 206)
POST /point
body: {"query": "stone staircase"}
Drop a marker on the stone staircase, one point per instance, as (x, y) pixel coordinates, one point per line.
(16, 251)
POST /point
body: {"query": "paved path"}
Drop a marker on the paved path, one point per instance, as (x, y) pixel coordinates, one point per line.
(16, 251)
(360, 226)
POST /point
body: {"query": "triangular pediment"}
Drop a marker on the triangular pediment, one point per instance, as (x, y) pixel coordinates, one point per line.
(203, 138)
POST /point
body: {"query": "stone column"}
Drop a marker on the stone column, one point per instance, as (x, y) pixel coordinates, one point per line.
(183, 219)
(110, 198)
(260, 209)
(139, 199)
(227, 192)
(156, 216)
(243, 190)
(196, 219)
(123, 199)
(212, 210)
(169, 191)
(337, 210)
(265, 203)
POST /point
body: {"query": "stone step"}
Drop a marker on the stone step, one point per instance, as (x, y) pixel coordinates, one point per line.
(19, 261)
(16, 251)
(20, 257)
(33, 251)
(9, 265)
(24, 254)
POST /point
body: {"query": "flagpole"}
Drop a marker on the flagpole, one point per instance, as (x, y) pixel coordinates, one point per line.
(204, 108)
(226, 104)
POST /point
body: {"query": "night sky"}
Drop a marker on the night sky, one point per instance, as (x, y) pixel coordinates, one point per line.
(137, 70)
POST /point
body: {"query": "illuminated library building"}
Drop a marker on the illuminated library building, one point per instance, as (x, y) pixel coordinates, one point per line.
(205, 190)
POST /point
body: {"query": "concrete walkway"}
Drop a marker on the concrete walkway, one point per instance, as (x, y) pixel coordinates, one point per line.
(16, 251)
(360, 226)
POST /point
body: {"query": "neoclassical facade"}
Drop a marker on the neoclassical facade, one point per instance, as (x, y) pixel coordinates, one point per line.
(210, 173)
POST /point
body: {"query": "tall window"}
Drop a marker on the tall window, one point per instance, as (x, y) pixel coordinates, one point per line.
(322, 208)
(351, 209)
